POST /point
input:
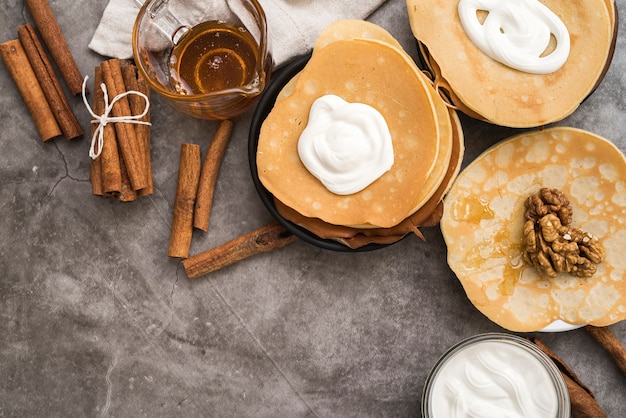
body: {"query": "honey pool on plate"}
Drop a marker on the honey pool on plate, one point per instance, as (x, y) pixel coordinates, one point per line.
(213, 56)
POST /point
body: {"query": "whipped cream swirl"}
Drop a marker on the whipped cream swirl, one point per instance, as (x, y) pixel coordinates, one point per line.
(347, 146)
(517, 33)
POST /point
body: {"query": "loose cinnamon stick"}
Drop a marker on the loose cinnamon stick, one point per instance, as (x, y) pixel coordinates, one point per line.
(264, 239)
(95, 174)
(137, 106)
(186, 189)
(128, 143)
(584, 404)
(55, 41)
(26, 81)
(49, 82)
(605, 337)
(208, 177)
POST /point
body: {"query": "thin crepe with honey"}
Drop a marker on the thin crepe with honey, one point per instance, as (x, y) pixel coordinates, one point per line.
(484, 216)
(486, 89)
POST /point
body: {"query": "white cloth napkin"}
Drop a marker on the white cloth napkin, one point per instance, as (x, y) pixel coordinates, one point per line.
(293, 25)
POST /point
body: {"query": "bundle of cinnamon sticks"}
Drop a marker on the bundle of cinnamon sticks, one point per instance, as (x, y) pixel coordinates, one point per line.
(123, 168)
(34, 75)
(192, 209)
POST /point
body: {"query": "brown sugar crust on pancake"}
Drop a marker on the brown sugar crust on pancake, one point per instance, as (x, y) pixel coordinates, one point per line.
(365, 71)
(484, 215)
(503, 95)
(428, 214)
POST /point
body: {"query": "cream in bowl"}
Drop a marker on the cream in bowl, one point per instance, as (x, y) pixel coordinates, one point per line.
(495, 374)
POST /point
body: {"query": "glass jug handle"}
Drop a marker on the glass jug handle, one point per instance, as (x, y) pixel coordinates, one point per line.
(160, 15)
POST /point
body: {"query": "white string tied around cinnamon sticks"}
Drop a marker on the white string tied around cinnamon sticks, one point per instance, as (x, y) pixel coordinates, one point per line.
(104, 119)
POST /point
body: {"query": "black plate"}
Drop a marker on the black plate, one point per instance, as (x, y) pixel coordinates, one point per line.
(264, 106)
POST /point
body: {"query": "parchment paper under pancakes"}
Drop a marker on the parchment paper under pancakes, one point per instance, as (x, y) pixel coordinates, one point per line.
(486, 89)
(484, 215)
(361, 62)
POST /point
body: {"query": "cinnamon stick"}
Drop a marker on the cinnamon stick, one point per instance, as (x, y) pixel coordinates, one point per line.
(137, 106)
(143, 132)
(264, 239)
(95, 177)
(186, 189)
(110, 156)
(49, 82)
(208, 177)
(95, 173)
(27, 84)
(110, 161)
(607, 340)
(127, 194)
(128, 143)
(584, 404)
(51, 33)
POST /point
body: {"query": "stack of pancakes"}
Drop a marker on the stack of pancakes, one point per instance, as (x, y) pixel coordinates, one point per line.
(362, 63)
(485, 89)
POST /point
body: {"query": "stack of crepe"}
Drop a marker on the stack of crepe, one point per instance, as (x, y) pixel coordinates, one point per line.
(485, 89)
(483, 228)
(362, 63)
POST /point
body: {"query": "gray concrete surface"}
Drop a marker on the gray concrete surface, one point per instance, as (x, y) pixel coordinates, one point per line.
(96, 320)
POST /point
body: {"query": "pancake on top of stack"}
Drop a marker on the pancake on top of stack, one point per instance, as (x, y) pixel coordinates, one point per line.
(362, 63)
(463, 53)
(486, 229)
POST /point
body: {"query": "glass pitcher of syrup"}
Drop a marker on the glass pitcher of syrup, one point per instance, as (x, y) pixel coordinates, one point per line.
(208, 58)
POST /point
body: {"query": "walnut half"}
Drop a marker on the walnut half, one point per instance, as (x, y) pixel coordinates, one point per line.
(551, 245)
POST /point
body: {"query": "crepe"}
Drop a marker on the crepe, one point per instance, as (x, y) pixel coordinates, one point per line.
(486, 89)
(483, 221)
(371, 70)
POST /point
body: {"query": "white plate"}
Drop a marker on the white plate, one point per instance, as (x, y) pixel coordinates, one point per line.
(560, 326)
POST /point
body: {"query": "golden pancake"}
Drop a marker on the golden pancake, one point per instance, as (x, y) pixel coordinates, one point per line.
(451, 143)
(483, 224)
(361, 29)
(428, 214)
(502, 95)
(365, 71)
(347, 29)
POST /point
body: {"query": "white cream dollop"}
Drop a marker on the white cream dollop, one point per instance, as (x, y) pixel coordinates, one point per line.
(347, 146)
(493, 379)
(517, 33)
